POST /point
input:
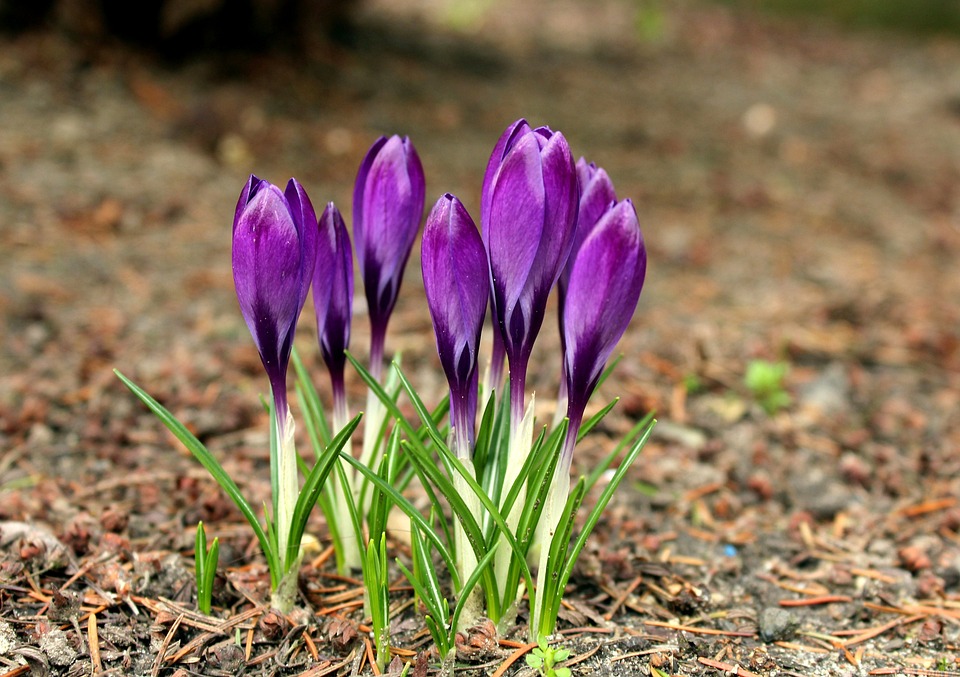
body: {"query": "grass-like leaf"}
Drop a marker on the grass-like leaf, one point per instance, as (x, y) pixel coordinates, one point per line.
(313, 484)
(592, 422)
(377, 586)
(409, 510)
(205, 567)
(624, 443)
(212, 465)
(594, 516)
(310, 400)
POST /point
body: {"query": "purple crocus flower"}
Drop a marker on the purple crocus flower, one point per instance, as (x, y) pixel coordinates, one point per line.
(274, 249)
(602, 294)
(333, 301)
(388, 201)
(596, 197)
(529, 209)
(455, 280)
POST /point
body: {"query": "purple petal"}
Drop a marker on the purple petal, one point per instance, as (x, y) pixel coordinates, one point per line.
(360, 186)
(454, 266)
(560, 218)
(333, 289)
(305, 219)
(504, 143)
(271, 255)
(516, 223)
(596, 197)
(388, 205)
(335, 335)
(530, 204)
(603, 291)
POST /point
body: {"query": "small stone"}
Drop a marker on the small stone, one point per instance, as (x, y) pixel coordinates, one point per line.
(686, 436)
(776, 625)
(913, 559)
(829, 393)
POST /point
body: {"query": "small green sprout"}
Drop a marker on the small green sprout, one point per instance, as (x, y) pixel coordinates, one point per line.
(765, 382)
(544, 659)
(692, 383)
(206, 568)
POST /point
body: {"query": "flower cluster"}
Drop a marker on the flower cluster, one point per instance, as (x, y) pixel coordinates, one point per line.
(545, 222)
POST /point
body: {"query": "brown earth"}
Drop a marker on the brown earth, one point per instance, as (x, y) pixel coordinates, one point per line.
(799, 189)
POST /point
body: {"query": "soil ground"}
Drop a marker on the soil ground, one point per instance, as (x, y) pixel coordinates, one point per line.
(799, 190)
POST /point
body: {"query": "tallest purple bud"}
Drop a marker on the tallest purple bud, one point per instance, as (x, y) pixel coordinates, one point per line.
(528, 216)
(388, 201)
(274, 249)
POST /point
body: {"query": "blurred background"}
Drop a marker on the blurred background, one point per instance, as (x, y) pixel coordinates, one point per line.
(795, 165)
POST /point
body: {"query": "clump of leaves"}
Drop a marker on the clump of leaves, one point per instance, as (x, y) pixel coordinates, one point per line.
(544, 659)
(764, 380)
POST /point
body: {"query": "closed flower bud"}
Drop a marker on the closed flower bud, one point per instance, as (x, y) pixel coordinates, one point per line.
(602, 294)
(274, 249)
(529, 206)
(333, 294)
(455, 280)
(388, 201)
(596, 197)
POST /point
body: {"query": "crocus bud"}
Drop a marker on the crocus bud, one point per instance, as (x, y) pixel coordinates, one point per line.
(455, 280)
(596, 197)
(529, 206)
(333, 297)
(602, 294)
(388, 200)
(274, 250)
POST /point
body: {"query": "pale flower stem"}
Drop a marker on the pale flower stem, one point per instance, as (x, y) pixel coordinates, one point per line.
(350, 546)
(288, 482)
(549, 521)
(372, 422)
(374, 415)
(521, 439)
(466, 557)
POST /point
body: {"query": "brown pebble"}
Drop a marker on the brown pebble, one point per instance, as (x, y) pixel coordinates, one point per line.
(760, 485)
(913, 559)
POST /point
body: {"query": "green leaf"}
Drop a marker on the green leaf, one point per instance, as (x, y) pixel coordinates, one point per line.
(595, 419)
(423, 563)
(409, 510)
(310, 400)
(626, 442)
(213, 467)
(313, 484)
(432, 475)
(598, 509)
